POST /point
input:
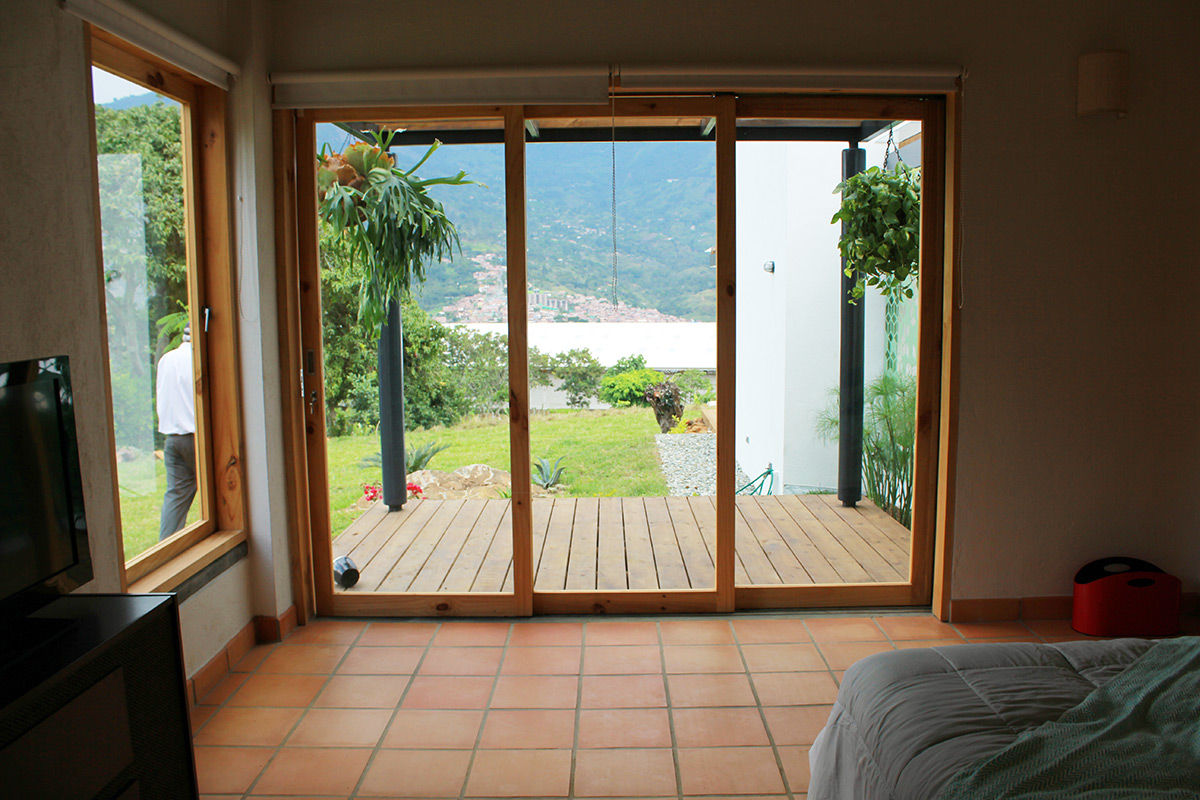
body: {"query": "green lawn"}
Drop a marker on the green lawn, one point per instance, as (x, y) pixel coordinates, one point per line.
(605, 453)
(141, 504)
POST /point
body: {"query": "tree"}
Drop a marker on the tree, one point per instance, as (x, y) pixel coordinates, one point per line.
(579, 373)
(145, 256)
(627, 364)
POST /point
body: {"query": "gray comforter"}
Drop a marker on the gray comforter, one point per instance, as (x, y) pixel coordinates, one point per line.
(906, 722)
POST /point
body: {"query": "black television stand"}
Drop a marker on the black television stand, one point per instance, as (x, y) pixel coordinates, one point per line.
(93, 703)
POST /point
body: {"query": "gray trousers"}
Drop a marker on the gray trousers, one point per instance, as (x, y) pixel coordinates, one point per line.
(179, 456)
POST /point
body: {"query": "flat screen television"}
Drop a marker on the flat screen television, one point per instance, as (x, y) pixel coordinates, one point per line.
(43, 531)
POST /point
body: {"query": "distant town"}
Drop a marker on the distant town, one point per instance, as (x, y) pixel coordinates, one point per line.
(490, 302)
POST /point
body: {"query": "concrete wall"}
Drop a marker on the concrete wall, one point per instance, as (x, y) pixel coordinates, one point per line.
(1078, 431)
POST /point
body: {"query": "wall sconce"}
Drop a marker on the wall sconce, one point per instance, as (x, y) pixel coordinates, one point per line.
(768, 266)
(1103, 84)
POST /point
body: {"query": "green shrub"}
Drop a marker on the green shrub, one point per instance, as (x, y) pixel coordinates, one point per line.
(628, 388)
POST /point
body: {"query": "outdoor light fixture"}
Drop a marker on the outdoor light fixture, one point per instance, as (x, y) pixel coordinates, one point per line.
(768, 266)
(1103, 84)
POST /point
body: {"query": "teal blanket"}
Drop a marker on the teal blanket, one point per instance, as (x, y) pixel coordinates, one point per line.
(1136, 736)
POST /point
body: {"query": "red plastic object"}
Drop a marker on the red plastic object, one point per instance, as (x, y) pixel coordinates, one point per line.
(1125, 597)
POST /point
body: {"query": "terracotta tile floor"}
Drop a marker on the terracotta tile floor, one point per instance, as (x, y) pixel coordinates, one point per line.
(649, 707)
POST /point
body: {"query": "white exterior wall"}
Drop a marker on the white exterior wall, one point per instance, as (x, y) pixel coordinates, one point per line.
(762, 213)
(789, 322)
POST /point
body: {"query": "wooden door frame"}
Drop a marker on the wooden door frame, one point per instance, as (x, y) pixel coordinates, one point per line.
(298, 269)
(932, 353)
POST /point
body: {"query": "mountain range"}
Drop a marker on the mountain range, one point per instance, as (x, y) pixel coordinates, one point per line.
(665, 203)
(665, 219)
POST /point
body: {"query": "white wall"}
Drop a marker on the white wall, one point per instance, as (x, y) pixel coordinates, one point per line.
(51, 295)
(51, 298)
(789, 321)
(763, 225)
(258, 332)
(215, 614)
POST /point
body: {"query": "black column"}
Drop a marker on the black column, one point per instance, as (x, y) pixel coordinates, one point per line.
(850, 392)
(391, 408)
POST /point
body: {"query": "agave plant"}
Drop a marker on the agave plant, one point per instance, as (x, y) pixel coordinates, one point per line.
(420, 457)
(547, 475)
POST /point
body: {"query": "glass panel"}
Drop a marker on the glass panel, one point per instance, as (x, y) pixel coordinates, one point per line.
(453, 532)
(791, 527)
(623, 497)
(143, 221)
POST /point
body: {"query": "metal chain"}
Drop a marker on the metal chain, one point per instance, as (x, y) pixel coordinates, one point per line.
(612, 112)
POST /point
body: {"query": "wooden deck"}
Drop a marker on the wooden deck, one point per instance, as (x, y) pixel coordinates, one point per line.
(614, 543)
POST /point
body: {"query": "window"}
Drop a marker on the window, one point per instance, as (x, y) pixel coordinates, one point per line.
(164, 239)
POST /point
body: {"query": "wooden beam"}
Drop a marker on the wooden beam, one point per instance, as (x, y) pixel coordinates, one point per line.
(929, 350)
(290, 359)
(627, 107)
(518, 359)
(823, 596)
(120, 58)
(221, 359)
(672, 602)
(382, 604)
(397, 113)
(860, 107)
(309, 279)
(726, 347)
(948, 429)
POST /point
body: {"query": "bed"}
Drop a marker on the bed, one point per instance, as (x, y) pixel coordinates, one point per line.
(907, 723)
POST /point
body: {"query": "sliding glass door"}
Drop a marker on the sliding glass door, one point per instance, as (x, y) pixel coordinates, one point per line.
(613, 387)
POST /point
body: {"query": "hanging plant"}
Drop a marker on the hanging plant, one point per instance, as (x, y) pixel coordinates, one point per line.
(881, 212)
(386, 214)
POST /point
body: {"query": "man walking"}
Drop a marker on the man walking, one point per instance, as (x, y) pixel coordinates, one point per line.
(176, 398)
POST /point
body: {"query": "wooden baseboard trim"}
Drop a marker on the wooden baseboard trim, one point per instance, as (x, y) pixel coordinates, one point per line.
(268, 630)
(1003, 609)
(259, 630)
(207, 677)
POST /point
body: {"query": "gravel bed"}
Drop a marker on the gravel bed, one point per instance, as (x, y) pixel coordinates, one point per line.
(689, 463)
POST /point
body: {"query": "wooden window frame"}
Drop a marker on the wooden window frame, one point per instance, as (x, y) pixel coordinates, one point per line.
(930, 558)
(211, 285)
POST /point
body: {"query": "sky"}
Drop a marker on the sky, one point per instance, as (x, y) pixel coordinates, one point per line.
(107, 87)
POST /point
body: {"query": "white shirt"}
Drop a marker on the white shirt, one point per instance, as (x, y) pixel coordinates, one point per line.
(175, 392)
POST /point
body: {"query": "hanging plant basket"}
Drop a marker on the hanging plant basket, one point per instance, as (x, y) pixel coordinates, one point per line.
(386, 214)
(881, 212)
